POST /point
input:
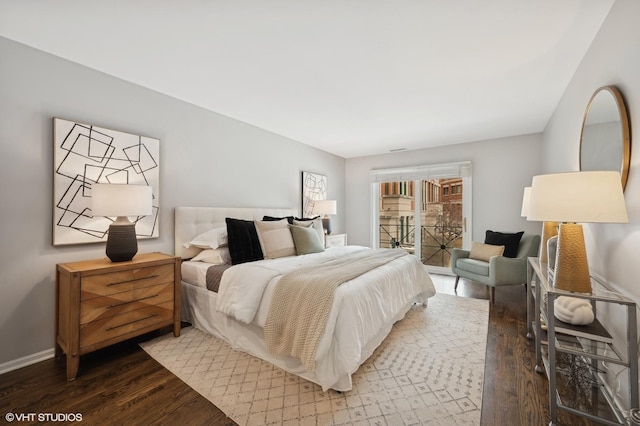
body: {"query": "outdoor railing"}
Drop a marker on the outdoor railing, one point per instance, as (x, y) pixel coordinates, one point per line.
(436, 241)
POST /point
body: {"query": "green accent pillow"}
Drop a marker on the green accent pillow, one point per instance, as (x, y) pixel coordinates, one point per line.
(306, 239)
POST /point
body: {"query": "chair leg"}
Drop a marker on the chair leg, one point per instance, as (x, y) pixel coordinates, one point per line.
(492, 295)
(455, 287)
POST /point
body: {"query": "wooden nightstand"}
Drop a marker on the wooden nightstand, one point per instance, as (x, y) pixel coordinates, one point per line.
(335, 240)
(100, 302)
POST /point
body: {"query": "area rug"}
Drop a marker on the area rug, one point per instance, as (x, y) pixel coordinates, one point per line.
(429, 370)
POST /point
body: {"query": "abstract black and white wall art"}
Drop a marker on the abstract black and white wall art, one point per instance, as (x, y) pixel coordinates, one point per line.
(86, 154)
(314, 187)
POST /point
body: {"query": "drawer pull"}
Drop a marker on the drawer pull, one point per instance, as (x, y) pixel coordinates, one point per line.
(132, 280)
(132, 322)
(131, 301)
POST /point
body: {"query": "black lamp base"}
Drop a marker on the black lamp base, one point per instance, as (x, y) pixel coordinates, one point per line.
(326, 224)
(122, 243)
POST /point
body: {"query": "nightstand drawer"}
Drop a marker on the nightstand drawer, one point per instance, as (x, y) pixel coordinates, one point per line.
(122, 281)
(115, 304)
(111, 327)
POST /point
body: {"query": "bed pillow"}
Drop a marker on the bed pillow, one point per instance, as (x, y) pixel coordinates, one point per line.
(214, 238)
(509, 241)
(244, 245)
(484, 252)
(308, 219)
(306, 240)
(315, 223)
(272, 218)
(305, 219)
(275, 238)
(219, 256)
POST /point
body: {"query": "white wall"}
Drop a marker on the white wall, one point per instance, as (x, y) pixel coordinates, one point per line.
(613, 58)
(501, 170)
(206, 159)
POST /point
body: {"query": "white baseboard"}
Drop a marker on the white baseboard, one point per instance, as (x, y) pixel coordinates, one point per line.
(26, 360)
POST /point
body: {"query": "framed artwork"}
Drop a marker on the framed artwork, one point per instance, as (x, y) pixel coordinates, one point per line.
(314, 187)
(85, 154)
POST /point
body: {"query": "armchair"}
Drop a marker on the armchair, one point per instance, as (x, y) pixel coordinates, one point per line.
(499, 270)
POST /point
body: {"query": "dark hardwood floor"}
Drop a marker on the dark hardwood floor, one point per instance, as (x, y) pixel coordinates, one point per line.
(123, 385)
(513, 394)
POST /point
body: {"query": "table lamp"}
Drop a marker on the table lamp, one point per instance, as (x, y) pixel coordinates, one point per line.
(526, 196)
(549, 229)
(324, 208)
(593, 196)
(121, 201)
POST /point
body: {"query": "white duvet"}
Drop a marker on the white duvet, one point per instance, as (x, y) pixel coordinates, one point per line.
(363, 312)
(243, 287)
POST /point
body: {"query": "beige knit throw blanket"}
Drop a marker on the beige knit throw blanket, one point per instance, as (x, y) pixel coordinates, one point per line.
(302, 300)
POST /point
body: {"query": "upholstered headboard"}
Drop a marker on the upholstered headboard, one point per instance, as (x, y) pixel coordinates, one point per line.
(193, 221)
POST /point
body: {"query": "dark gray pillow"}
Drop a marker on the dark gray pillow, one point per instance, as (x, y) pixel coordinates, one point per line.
(244, 245)
(273, 219)
(509, 241)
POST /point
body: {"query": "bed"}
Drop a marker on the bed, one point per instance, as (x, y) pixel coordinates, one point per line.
(360, 316)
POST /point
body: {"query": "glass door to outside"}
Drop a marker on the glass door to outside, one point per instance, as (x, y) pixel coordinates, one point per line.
(427, 218)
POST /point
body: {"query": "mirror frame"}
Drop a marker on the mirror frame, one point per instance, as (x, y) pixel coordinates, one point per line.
(624, 124)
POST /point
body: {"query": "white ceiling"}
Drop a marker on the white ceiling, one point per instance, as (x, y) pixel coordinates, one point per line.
(351, 77)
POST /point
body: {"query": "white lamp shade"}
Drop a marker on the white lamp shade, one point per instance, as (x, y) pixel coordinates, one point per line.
(121, 200)
(589, 197)
(324, 207)
(526, 196)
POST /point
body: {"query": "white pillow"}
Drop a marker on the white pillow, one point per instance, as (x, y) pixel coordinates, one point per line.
(214, 238)
(219, 256)
(275, 238)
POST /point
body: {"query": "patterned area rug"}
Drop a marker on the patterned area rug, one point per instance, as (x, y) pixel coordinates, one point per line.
(429, 370)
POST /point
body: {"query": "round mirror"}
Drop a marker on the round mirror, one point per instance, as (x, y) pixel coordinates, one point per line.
(605, 143)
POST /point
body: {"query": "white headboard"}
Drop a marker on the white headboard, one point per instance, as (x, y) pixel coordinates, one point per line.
(193, 221)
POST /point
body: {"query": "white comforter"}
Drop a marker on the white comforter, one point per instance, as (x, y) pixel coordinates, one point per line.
(363, 312)
(243, 287)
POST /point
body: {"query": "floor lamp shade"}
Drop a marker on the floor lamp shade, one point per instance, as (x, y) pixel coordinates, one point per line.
(591, 197)
(121, 201)
(324, 208)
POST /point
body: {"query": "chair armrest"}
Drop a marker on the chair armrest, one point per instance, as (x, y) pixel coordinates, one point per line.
(507, 270)
(458, 253)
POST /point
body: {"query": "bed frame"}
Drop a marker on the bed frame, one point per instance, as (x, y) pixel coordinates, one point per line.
(193, 221)
(198, 305)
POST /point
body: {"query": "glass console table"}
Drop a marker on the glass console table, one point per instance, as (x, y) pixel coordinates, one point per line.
(574, 357)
